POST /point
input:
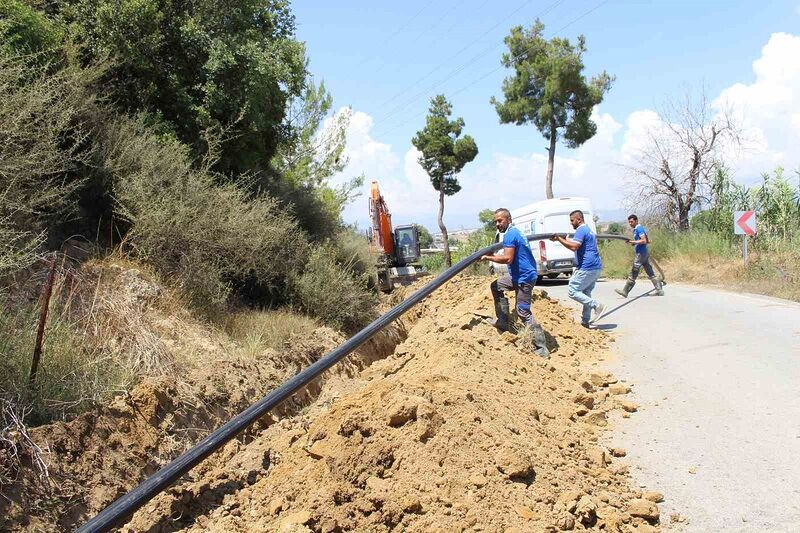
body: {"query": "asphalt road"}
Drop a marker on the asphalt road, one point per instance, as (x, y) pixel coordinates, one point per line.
(717, 378)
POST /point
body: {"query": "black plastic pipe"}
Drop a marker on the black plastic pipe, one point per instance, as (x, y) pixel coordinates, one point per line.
(120, 511)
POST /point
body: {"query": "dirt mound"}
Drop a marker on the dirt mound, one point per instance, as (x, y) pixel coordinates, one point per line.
(461, 429)
(97, 457)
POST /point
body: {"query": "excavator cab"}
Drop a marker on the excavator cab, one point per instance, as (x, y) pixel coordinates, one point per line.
(406, 244)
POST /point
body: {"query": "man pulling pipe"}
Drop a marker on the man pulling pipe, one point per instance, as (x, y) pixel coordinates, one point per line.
(641, 259)
(587, 267)
(521, 279)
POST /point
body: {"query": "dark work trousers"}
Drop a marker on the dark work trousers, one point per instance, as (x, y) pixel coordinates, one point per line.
(641, 261)
(522, 295)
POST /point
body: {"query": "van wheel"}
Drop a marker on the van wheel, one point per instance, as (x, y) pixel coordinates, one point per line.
(553, 276)
(539, 278)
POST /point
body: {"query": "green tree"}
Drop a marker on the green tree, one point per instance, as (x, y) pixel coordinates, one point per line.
(311, 153)
(224, 65)
(486, 218)
(444, 154)
(24, 30)
(425, 237)
(616, 228)
(548, 88)
(776, 201)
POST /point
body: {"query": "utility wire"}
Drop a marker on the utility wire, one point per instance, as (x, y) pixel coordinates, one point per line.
(422, 33)
(464, 48)
(403, 104)
(465, 87)
(455, 23)
(397, 31)
(462, 67)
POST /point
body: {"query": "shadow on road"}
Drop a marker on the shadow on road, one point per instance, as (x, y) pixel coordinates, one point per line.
(627, 302)
(605, 327)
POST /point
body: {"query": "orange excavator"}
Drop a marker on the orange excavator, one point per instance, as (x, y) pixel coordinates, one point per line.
(397, 248)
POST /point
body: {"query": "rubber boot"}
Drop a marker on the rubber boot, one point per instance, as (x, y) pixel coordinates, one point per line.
(626, 289)
(501, 309)
(657, 284)
(539, 342)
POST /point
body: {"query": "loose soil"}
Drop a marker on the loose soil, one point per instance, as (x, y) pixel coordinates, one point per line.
(462, 428)
(99, 456)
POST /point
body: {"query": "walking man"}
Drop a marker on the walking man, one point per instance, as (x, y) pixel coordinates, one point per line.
(587, 267)
(641, 258)
(521, 279)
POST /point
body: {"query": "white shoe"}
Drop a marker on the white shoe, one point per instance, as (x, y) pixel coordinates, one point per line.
(599, 311)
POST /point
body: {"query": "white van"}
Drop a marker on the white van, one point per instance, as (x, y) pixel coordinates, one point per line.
(549, 216)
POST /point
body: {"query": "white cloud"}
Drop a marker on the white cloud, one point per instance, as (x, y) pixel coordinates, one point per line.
(769, 107)
(365, 156)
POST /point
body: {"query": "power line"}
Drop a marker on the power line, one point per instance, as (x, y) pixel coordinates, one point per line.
(462, 89)
(403, 104)
(454, 24)
(438, 20)
(398, 30)
(469, 45)
(423, 32)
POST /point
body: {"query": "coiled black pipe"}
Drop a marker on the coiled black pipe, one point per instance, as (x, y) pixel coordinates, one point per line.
(118, 512)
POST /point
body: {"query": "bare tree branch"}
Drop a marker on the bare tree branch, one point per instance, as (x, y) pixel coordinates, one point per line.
(671, 176)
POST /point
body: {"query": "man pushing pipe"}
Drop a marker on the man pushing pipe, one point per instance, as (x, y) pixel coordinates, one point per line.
(521, 279)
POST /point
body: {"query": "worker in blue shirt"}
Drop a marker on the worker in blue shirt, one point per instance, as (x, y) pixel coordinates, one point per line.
(587, 267)
(641, 258)
(521, 279)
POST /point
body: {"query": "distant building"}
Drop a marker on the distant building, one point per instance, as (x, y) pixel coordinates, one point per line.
(459, 235)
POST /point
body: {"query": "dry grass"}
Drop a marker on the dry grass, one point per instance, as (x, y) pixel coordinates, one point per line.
(257, 331)
(99, 341)
(773, 274)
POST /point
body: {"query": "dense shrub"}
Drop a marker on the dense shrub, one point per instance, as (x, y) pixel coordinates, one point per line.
(332, 292)
(209, 238)
(42, 132)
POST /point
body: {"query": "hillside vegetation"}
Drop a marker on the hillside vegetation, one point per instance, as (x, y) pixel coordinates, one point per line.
(185, 139)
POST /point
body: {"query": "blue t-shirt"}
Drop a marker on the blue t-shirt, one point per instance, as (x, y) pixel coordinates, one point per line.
(523, 267)
(586, 257)
(638, 233)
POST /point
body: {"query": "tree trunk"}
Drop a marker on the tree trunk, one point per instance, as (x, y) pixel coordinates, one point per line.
(551, 157)
(683, 219)
(683, 216)
(447, 260)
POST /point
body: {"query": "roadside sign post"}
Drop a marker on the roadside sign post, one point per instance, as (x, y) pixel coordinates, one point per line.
(744, 249)
(744, 224)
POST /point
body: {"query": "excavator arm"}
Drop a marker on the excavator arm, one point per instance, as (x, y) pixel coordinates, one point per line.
(381, 221)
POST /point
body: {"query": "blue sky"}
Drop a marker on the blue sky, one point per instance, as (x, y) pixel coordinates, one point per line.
(386, 59)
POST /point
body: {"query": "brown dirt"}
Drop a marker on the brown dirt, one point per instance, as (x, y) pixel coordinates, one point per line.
(100, 455)
(461, 429)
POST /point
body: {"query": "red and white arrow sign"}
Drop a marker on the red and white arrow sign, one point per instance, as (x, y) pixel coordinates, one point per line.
(744, 222)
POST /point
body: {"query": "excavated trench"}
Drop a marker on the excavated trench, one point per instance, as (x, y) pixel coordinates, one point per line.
(460, 428)
(99, 456)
